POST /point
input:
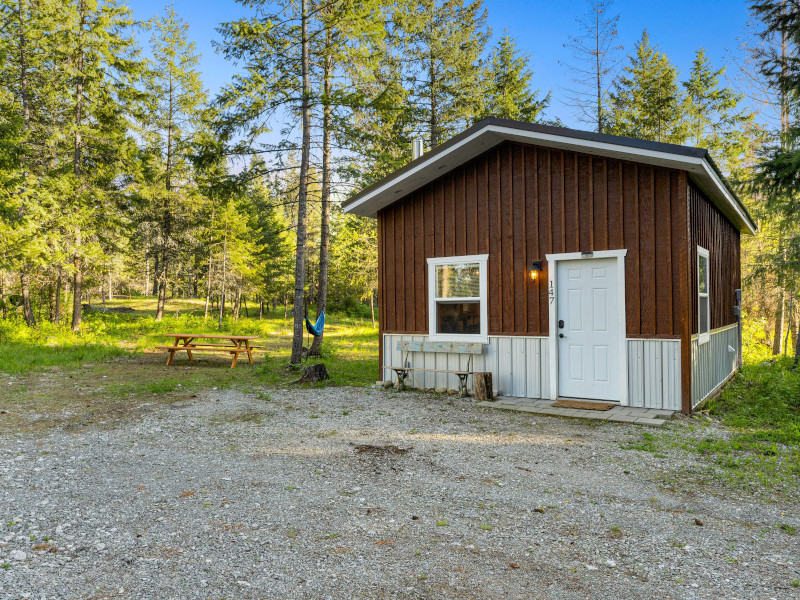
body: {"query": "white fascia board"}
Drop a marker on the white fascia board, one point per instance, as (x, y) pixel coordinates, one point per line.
(427, 171)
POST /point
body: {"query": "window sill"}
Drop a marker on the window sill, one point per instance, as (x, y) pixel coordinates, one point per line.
(454, 337)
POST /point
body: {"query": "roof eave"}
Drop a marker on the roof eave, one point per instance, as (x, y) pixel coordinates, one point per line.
(490, 132)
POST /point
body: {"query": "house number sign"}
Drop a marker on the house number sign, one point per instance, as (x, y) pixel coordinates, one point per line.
(552, 293)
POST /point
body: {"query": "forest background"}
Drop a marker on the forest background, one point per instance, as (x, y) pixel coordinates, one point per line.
(122, 174)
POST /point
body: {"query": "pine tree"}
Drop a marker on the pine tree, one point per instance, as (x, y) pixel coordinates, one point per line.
(99, 57)
(444, 42)
(176, 98)
(507, 86)
(715, 120)
(777, 176)
(646, 102)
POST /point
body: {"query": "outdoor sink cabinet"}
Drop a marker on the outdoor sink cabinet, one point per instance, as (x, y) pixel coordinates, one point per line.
(587, 265)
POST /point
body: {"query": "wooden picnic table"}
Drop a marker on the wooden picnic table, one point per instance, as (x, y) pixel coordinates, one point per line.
(185, 341)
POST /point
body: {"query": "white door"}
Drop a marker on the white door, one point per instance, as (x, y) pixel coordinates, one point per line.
(588, 329)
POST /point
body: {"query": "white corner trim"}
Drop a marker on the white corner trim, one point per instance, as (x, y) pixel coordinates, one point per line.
(483, 336)
(552, 282)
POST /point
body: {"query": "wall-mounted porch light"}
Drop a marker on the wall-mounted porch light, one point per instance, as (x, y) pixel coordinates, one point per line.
(536, 267)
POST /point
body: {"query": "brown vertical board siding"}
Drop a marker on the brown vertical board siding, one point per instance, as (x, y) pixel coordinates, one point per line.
(570, 202)
(682, 281)
(381, 287)
(519, 202)
(532, 235)
(420, 264)
(630, 223)
(713, 231)
(459, 215)
(545, 227)
(647, 251)
(614, 225)
(663, 253)
(599, 205)
(495, 245)
(390, 297)
(520, 255)
(585, 204)
(507, 233)
(471, 212)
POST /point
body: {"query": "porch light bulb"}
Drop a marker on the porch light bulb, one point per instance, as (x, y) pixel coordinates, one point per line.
(534, 274)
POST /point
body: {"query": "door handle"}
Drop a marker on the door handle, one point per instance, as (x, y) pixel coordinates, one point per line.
(561, 335)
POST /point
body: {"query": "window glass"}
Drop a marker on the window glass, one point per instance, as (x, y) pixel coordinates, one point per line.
(458, 317)
(703, 315)
(458, 281)
(702, 274)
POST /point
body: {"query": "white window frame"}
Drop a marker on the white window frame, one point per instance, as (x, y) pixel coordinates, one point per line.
(703, 338)
(483, 336)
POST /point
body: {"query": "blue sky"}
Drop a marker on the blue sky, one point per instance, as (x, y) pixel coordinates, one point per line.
(678, 27)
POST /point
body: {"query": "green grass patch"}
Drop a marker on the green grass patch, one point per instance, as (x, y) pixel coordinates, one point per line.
(111, 365)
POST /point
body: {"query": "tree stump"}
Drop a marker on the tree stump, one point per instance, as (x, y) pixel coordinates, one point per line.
(482, 386)
(314, 374)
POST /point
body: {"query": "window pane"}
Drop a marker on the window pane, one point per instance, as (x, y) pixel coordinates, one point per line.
(703, 316)
(458, 281)
(702, 274)
(458, 317)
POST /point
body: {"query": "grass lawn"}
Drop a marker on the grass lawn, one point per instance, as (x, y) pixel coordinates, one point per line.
(110, 367)
(753, 438)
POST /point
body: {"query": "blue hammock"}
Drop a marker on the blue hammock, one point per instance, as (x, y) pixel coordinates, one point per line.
(317, 328)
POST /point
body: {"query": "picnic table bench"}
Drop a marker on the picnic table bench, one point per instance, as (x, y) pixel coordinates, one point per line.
(185, 342)
(406, 348)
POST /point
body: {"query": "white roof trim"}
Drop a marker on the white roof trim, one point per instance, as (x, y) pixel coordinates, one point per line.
(704, 174)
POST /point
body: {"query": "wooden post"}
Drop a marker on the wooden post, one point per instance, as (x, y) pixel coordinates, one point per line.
(482, 386)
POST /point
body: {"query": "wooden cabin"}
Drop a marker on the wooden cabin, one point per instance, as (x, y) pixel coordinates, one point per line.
(583, 265)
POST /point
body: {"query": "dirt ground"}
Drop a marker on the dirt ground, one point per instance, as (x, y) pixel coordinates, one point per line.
(368, 493)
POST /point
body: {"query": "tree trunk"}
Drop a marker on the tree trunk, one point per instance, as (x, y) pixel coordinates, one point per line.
(260, 309)
(372, 307)
(222, 292)
(325, 213)
(77, 292)
(77, 280)
(162, 287)
(778, 335)
(110, 284)
(59, 286)
(156, 267)
(300, 259)
(208, 286)
(237, 303)
(24, 282)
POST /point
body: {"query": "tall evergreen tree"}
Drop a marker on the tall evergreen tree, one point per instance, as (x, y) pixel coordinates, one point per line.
(715, 120)
(444, 41)
(507, 85)
(176, 99)
(646, 102)
(98, 55)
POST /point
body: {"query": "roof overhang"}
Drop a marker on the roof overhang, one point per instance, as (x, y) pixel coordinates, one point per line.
(490, 132)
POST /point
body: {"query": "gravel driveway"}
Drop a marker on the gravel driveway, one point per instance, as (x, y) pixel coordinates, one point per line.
(350, 493)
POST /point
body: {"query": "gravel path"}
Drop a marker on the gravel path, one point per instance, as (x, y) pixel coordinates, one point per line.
(233, 496)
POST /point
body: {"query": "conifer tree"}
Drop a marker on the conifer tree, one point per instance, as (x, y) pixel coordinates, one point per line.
(714, 119)
(646, 102)
(507, 86)
(444, 41)
(176, 98)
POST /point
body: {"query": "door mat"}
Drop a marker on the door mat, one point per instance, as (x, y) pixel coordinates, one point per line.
(584, 405)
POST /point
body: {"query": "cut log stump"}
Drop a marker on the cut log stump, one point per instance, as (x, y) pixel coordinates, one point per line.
(482, 386)
(314, 374)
